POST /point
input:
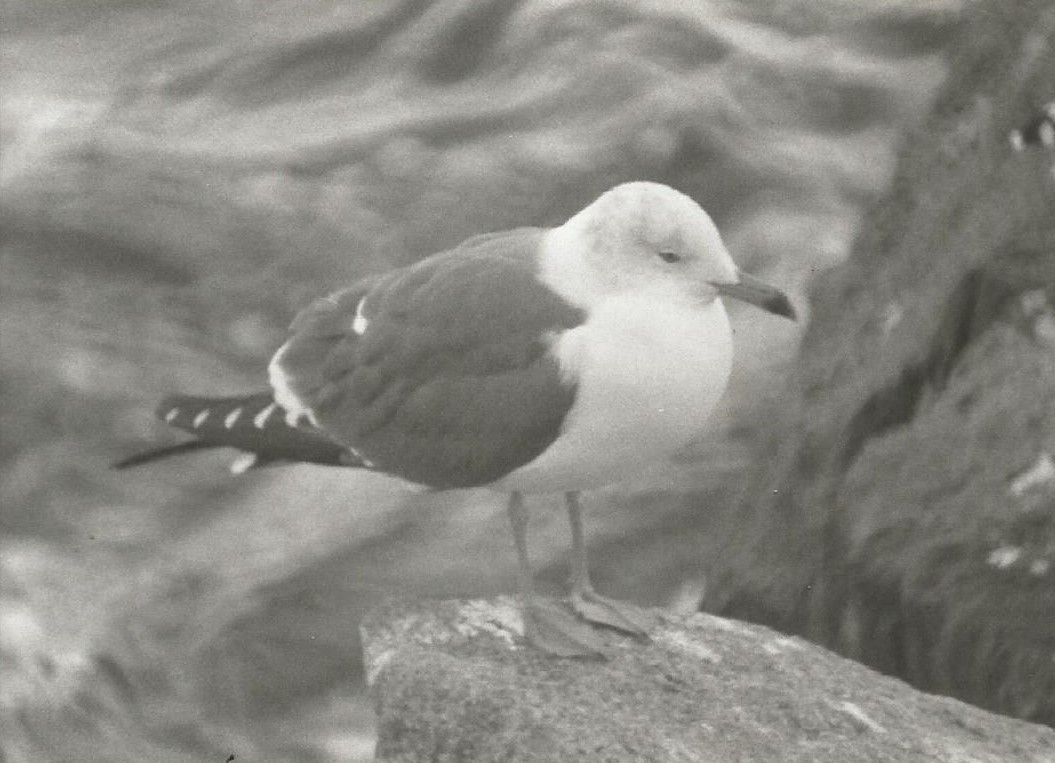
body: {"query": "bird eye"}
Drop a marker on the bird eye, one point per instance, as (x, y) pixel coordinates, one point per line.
(670, 257)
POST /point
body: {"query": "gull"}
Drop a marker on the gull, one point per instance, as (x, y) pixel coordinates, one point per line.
(528, 361)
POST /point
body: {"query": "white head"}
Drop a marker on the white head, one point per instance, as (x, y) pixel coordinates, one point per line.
(651, 239)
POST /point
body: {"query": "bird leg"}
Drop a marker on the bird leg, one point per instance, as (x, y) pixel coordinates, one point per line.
(547, 626)
(589, 604)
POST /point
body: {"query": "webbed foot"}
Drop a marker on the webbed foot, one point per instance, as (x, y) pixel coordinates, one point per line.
(551, 628)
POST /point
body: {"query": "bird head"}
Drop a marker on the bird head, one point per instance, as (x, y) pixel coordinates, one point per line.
(651, 239)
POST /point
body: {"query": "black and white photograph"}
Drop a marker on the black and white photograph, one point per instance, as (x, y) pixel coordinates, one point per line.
(527, 381)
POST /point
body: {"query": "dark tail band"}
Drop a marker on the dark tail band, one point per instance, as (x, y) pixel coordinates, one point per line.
(251, 423)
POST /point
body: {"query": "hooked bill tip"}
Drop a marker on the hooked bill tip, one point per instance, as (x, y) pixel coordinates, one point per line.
(758, 293)
(781, 305)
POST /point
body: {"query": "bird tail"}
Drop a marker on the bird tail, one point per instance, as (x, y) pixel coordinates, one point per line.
(254, 424)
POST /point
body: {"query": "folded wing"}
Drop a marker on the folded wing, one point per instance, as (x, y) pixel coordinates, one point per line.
(439, 373)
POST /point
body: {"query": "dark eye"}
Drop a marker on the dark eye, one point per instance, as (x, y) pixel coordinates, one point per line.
(670, 257)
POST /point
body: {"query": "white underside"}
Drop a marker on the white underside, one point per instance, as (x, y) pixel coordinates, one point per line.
(649, 375)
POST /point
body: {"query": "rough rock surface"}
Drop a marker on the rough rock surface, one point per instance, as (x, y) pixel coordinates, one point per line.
(904, 513)
(453, 681)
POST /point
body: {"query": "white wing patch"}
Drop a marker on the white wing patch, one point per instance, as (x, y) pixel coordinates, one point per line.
(260, 420)
(232, 417)
(243, 463)
(360, 323)
(295, 408)
(1047, 134)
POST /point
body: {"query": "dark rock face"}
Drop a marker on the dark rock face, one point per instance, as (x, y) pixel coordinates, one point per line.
(452, 681)
(905, 514)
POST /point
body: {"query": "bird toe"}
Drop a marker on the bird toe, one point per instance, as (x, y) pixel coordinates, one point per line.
(550, 628)
(619, 615)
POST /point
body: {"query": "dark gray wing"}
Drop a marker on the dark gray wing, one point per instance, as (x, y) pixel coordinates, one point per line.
(445, 379)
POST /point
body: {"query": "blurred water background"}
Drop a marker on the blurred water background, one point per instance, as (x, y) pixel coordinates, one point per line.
(179, 177)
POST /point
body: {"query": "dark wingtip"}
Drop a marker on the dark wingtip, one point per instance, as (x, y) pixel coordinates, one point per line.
(158, 453)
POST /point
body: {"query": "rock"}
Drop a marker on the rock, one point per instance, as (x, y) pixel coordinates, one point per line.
(903, 514)
(453, 681)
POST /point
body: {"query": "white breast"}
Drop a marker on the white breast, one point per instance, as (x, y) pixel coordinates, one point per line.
(648, 377)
